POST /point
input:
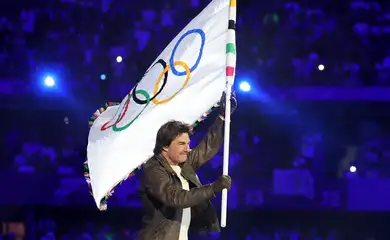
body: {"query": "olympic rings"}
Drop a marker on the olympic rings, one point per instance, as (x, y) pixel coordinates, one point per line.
(142, 102)
(124, 109)
(146, 95)
(188, 76)
(171, 60)
(126, 105)
(157, 90)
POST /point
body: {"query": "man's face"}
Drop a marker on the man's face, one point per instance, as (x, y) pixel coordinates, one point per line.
(179, 148)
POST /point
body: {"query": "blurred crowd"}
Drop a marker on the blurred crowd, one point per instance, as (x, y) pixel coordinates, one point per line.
(266, 151)
(282, 233)
(280, 42)
(46, 228)
(57, 140)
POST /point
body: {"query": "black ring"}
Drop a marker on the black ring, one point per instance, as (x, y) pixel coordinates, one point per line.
(232, 25)
(142, 102)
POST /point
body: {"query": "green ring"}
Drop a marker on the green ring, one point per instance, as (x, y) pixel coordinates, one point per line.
(147, 96)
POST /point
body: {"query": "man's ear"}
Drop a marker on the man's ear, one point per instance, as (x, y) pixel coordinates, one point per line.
(165, 149)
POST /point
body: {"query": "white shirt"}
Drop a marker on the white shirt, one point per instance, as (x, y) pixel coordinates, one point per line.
(186, 217)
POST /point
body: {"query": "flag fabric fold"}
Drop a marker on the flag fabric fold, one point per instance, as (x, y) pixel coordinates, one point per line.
(184, 83)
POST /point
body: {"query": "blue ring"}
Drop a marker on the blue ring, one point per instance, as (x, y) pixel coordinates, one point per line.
(171, 62)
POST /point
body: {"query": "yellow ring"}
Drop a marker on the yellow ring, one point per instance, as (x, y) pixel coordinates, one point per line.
(168, 67)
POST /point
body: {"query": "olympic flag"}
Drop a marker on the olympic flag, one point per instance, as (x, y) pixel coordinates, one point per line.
(184, 82)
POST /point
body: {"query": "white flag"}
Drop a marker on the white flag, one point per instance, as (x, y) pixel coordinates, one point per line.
(182, 84)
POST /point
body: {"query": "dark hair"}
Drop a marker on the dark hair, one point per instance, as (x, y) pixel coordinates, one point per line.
(168, 132)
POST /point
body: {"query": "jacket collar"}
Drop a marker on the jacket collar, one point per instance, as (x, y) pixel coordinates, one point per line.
(164, 163)
(184, 171)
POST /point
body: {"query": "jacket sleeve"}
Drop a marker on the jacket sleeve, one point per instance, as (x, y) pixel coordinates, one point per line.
(208, 147)
(158, 184)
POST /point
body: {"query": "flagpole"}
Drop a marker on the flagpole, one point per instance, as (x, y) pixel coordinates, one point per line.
(225, 170)
(230, 73)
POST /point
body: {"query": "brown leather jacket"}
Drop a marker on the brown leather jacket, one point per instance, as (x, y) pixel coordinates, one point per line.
(162, 196)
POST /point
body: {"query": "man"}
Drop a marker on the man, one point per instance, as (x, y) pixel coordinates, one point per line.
(173, 198)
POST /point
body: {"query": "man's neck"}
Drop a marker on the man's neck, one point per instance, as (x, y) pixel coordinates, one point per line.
(170, 162)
